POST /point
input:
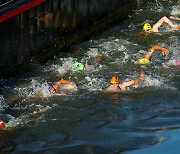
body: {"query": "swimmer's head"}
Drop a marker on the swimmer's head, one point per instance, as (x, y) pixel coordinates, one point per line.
(114, 80)
(79, 66)
(49, 87)
(1, 124)
(144, 61)
(147, 27)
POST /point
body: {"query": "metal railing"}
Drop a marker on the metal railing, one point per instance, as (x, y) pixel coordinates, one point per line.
(5, 3)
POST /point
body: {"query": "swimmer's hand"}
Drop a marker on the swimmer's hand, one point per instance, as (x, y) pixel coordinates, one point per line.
(171, 17)
(165, 52)
(174, 18)
(87, 67)
(135, 85)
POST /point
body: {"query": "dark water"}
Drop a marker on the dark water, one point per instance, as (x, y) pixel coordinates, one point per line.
(143, 120)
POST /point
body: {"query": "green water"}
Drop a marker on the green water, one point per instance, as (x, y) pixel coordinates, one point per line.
(139, 120)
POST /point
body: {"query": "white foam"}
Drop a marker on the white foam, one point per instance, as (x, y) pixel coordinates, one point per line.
(149, 81)
(157, 82)
(170, 63)
(93, 84)
(176, 11)
(3, 104)
(93, 52)
(32, 89)
(44, 90)
(13, 122)
(66, 66)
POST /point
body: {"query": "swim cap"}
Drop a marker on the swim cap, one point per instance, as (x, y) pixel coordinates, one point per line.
(1, 124)
(79, 66)
(178, 62)
(147, 26)
(144, 61)
(114, 79)
(49, 87)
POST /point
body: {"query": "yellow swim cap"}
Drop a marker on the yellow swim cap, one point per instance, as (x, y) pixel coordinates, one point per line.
(147, 26)
(144, 61)
(114, 79)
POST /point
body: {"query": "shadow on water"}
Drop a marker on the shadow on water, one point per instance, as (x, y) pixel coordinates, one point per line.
(90, 121)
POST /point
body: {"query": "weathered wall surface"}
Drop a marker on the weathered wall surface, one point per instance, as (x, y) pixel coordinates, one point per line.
(44, 30)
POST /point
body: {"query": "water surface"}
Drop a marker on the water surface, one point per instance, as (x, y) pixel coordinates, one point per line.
(140, 120)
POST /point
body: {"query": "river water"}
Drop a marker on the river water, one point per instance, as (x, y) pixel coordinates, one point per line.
(139, 120)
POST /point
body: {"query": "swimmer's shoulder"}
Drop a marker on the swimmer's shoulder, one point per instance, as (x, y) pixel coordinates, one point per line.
(111, 90)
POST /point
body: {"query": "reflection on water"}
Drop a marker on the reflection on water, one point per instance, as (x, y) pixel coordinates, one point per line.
(89, 121)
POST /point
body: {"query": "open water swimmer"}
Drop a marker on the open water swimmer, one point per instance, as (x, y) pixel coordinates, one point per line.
(155, 28)
(147, 56)
(61, 86)
(80, 66)
(117, 86)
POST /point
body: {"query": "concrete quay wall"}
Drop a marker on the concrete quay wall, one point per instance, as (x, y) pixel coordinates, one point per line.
(37, 34)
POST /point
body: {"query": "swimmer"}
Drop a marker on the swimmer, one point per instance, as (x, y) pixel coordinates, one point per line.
(80, 66)
(117, 86)
(147, 56)
(155, 28)
(61, 86)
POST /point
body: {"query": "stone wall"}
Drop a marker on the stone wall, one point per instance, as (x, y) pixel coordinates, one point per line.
(37, 34)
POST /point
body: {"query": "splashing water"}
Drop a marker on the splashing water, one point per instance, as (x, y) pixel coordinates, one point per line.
(67, 65)
(93, 84)
(143, 117)
(176, 11)
(29, 90)
(3, 104)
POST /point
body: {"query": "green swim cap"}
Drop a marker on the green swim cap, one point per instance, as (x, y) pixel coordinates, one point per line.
(144, 61)
(79, 66)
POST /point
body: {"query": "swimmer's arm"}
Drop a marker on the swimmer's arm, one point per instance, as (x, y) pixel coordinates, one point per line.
(154, 48)
(141, 75)
(123, 85)
(135, 85)
(87, 67)
(149, 53)
(174, 18)
(156, 26)
(58, 83)
(161, 21)
(163, 50)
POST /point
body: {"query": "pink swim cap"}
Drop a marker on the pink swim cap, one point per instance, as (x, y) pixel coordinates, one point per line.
(178, 62)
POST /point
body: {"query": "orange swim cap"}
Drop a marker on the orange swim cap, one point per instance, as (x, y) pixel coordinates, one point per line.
(114, 79)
